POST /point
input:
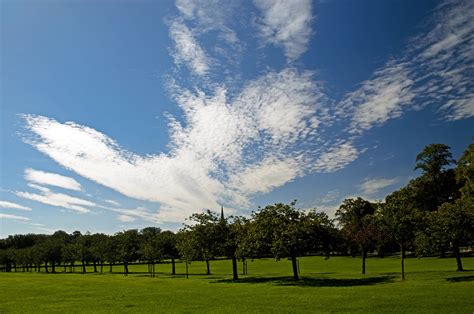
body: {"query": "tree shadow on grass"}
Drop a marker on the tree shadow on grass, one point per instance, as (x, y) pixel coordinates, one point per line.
(313, 282)
(460, 278)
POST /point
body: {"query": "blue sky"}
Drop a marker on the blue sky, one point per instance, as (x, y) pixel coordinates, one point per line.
(118, 115)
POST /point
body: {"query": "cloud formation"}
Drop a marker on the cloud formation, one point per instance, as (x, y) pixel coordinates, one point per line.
(435, 70)
(233, 142)
(57, 199)
(14, 217)
(187, 50)
(286, 24)
(53, 179)
(4, 204)
(372, 186)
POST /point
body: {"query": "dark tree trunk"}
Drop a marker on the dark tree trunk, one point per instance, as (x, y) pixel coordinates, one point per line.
(295, 267)
(95, 266)
(53, 267)
(402, 248)
(208, 268)
(83, 267)
(458, 258)
(364, 255)
(125, 268)
(173, 267)
(187, 270)
(46, 267)
(234, 268)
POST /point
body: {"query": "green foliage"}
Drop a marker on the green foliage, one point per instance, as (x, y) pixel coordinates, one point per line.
(434, 159)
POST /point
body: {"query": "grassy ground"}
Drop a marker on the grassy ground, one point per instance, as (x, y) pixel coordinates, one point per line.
(333, 285)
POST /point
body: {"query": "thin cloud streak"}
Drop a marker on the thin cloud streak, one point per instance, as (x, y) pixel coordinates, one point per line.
(53, 179)
(10, 205)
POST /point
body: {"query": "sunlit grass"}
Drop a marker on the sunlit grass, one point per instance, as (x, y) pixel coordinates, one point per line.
(331, 285)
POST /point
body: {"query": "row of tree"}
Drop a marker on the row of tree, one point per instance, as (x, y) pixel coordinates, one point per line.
(433, 214)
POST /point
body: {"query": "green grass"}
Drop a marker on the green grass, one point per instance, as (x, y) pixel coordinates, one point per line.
(333, 285)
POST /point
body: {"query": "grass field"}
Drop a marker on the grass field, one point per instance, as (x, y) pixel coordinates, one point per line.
(333, 285)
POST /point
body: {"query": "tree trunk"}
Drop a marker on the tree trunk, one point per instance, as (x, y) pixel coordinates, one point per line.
(95, 266)
(208, 271)
(458, 258)
(295, 267)
(125, 268)
(45, 267)
(187, 270)
(53, 267)
(234, 268)
(173, 267)
(83, 267)
(402, 247)
(364, 255)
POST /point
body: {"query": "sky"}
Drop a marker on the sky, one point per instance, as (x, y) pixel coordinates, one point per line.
(126, 114)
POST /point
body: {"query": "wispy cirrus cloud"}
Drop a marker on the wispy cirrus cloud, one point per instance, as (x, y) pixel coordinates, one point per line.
(435, 70)
(187, 50)
(372, 186)
(215, 154)
(57, 199)
(11, 205)
(53, 179)
(14, 217)
(286, 24)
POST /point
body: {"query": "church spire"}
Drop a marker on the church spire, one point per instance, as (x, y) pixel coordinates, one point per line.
(222, 214)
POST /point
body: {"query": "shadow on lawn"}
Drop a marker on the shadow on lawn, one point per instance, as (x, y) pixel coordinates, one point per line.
(313, 282)
(460, 278)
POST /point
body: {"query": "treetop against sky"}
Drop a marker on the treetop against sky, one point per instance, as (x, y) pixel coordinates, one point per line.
(118, 115)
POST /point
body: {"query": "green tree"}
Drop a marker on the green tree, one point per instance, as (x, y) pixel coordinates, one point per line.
(356, 217)
(286, 231)
(128, 247)
(202, 238)
(168, 248)
(455, 226)
(402, 220)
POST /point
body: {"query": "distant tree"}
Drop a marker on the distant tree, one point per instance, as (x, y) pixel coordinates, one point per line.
(98, 250)
(201, 239)
(434, 159)
(401, 220)
(128, 244)
(358, 222)
(465, 172)
(168, 248)
(287, 231)
(149, 247)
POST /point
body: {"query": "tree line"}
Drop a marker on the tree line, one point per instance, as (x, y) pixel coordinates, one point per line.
(432, 215)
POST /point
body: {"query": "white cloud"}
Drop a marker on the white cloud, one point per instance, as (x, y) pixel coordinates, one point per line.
(372, 186)
(187, 49)
(265, 176)
(287, 24)
(115, 203)
(380, 98)
(270, 126)
(57, 199)
(53, 179)
(14, 217)
(435, 69)
(4, 204)
(337, 157)
(125, 218)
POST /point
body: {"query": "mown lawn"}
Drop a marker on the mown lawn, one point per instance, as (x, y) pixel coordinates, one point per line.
(333, 285)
